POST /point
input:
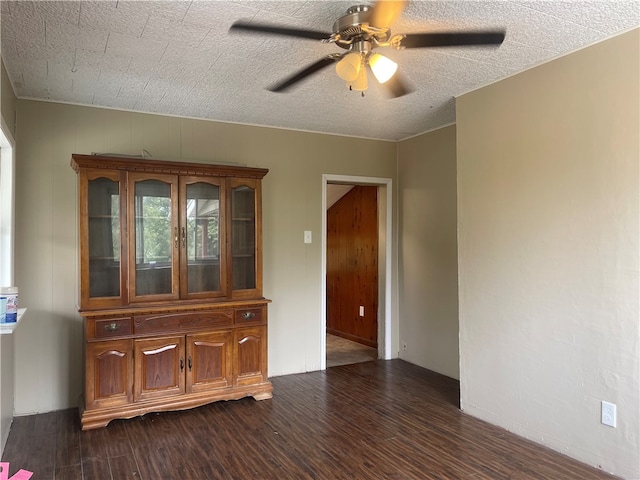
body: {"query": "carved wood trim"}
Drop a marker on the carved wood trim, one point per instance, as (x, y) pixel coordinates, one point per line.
(134, 164)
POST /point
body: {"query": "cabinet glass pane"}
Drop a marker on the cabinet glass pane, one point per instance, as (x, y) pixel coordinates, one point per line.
(153, 237)
(243, 235)
(203, 238)
(104, 238)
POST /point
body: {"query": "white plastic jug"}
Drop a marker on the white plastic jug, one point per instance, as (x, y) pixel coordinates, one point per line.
(11, 294)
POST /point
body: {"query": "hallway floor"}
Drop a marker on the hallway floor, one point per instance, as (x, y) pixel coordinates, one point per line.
(341, 351)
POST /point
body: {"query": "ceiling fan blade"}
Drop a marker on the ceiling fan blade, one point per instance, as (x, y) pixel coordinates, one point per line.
(305, 72)
(385, 12)
(396, 86)
(451, 39)
(279, 30)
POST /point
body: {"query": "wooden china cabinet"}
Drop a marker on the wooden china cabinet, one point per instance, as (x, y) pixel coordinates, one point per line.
(170, 285)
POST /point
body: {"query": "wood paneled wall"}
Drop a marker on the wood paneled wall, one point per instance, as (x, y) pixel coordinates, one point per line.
(352, 266)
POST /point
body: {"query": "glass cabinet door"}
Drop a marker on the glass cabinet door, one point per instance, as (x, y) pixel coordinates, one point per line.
(202, 233)
(246, 277)
(164, 232)
(102, 265)
(154, 239)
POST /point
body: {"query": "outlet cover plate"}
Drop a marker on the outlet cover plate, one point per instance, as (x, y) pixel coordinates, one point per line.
(608, 415)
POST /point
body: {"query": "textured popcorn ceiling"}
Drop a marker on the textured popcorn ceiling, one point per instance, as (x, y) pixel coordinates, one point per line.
(178, 58)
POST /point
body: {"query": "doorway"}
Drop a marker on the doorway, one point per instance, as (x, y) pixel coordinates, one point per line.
(384, 197)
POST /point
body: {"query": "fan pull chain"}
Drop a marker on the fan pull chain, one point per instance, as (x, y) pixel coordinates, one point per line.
(351, 89)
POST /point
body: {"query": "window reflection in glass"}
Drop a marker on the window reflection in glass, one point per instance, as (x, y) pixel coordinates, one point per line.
(203, 213)
(153, 237)
(203, 237)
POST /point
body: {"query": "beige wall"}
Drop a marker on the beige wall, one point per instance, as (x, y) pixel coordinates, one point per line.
(548, 211)
(428, 280)
(7, 100)
(49, 342)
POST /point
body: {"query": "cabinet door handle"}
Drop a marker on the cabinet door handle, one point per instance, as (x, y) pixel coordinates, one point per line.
(181, 364)
(175, 237)
(248, 315)
(190, 362)
(184, 237)
(112, 327)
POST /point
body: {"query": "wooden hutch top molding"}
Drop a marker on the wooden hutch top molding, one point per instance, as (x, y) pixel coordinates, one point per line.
(135, 164)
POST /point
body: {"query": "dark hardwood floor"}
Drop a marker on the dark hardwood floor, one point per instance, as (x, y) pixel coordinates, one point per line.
(373, 420)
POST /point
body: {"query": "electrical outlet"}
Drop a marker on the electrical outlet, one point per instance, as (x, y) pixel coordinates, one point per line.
(362, 310)
(608, 416)
(404, 347)
(307, 236)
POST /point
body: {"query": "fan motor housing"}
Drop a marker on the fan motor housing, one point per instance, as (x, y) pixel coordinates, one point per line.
(354, 26)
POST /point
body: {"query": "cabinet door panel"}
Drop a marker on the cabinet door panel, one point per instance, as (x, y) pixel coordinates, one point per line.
(109, 373)
(154, 240)
(246, 236)
(101, 220)
(209, 361)
(250, 355)
(160, 364)
(202, 235)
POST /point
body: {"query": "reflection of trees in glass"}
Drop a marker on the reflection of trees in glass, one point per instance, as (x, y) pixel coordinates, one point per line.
(115, 226)
(212, 235)
(153, 222)
(203, 210)
(203, 238)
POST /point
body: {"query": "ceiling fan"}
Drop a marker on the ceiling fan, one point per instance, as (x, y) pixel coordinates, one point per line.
(360, 31)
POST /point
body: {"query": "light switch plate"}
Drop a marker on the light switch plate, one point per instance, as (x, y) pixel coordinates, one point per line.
(307, 236)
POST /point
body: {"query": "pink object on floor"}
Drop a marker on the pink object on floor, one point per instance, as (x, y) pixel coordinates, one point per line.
(19, 475)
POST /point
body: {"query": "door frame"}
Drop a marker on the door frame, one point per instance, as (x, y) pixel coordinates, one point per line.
(385, 232)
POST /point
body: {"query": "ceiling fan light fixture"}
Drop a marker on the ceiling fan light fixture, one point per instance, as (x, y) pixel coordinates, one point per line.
(349, 67)
(382, 67)
(360, 83)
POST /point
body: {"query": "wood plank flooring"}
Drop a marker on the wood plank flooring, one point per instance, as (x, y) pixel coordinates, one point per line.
(370, 421)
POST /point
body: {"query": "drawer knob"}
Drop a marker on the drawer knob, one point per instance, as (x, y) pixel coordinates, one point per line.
(248, 315)
(112, 327)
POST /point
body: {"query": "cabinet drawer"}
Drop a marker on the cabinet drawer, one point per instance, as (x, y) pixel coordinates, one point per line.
(246, 316)
(109, 327)
(184, 321)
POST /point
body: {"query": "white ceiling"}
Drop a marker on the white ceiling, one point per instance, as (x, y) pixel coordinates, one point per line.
(178, 58)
